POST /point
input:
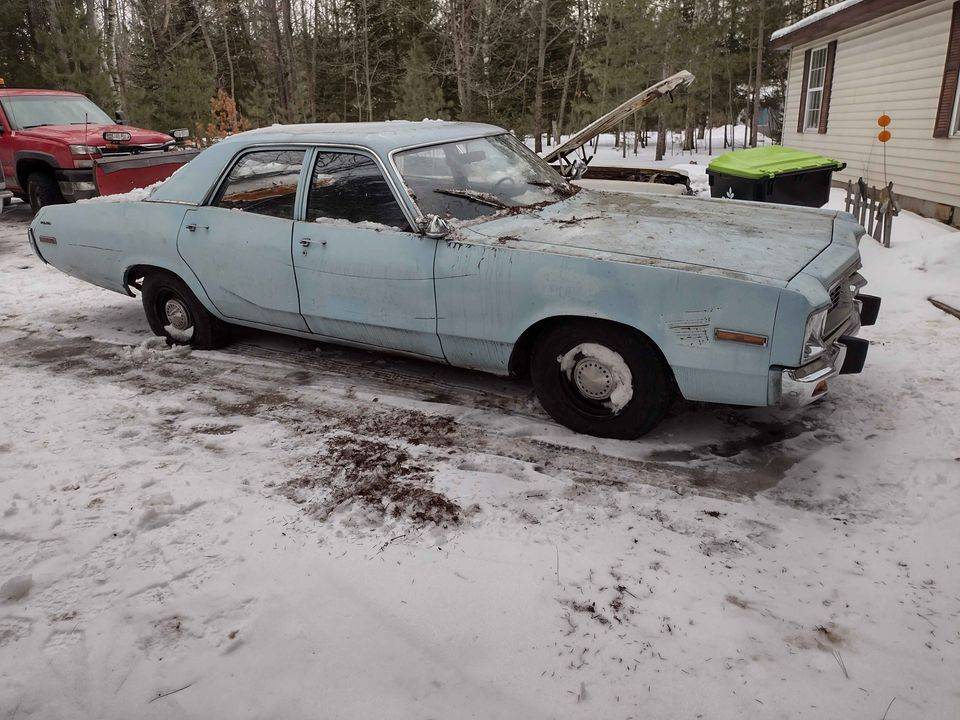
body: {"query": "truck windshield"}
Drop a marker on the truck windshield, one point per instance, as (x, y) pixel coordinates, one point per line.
(27, 111)
(471, 178)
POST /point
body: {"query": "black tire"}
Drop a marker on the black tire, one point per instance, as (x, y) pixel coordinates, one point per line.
(174, 312)
(560, 395)
(42, 190)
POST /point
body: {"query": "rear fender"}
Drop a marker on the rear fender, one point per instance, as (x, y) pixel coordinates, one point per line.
(101, 242)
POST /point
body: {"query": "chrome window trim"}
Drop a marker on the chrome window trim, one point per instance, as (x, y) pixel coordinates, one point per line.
(398, 196)
(433, 143)
(239, 155)
(310, 149)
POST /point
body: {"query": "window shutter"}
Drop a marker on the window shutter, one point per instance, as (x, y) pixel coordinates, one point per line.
(828, 85)
(803, 89)
(951, 74)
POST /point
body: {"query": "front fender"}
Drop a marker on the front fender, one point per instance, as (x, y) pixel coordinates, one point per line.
(488, 296)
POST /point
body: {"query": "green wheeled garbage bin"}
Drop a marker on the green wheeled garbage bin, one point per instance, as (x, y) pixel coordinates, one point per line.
(773, 174)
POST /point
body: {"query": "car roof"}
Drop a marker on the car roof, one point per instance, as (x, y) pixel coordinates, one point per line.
(382, 137)
(5, 92)
(191, 182)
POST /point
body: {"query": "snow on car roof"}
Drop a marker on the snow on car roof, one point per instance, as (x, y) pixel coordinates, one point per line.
(381, 137)
(192, 181)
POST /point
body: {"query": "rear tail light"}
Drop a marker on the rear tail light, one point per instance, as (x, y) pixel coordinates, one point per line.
(116, 136)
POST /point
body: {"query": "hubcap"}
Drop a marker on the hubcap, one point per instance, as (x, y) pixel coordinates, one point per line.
(593, 379)
(179, 326)
(598, 378)
(177, 314)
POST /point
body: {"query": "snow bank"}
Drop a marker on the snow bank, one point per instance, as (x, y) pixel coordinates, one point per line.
(735, 563)
(16, 588)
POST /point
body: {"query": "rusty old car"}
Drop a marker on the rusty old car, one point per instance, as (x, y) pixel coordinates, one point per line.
(455, 243)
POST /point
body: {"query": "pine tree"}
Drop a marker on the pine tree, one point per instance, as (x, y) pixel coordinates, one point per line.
(69, 58)
(182, 98)
(419, 93)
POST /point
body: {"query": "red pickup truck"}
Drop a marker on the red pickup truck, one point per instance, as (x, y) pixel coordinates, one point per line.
(60, 147)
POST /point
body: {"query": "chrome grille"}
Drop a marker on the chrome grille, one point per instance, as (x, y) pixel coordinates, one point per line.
(836, 293)
(115, 150)
(842, 295)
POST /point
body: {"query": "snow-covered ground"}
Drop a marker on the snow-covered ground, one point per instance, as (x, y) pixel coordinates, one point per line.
(285, 529)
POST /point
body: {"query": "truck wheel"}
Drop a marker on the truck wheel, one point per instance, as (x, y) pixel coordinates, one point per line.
(174, 312)
(600, 379)
(42, 190)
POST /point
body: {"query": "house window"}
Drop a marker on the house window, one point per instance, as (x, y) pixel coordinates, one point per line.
(818, 72)
(955, 125)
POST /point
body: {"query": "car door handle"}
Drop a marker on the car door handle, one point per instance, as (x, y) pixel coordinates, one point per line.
(192, 227)
(307, 242)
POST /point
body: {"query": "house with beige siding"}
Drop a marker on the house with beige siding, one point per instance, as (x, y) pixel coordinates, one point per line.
(860, 59)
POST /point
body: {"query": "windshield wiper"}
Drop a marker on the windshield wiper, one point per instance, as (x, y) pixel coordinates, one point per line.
(27, 127)
(560, 189)
(476, 196)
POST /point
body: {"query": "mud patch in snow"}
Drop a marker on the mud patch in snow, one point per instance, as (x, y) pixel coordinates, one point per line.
(373, 481)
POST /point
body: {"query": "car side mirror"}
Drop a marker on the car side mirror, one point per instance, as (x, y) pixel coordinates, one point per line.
(434, 226)
(118, 116)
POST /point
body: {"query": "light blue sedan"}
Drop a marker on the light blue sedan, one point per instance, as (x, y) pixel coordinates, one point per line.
(454, 242)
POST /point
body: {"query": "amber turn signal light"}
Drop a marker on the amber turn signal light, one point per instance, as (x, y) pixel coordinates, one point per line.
(740, 337)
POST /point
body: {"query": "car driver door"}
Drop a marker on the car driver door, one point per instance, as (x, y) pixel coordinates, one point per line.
(238, 245)
(364, 276)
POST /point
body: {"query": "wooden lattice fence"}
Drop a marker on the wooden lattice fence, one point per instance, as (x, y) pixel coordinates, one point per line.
(874, 208)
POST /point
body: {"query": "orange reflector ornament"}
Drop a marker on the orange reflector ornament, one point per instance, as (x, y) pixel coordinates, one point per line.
(820, 389)
(884, 121)
(740, 337)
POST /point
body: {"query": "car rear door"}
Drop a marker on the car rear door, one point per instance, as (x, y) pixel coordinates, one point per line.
(238, 244)
(363, 274)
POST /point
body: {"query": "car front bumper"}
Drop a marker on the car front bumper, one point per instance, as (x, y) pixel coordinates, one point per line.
(845, 355)
(76, 184)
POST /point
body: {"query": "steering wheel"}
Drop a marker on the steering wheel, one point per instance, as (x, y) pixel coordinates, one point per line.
(506, 179)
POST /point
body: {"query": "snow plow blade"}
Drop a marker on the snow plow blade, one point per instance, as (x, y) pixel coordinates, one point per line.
(116, 175)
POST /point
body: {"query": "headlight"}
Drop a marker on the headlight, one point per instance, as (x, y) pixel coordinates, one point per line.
(116, 136)
(813, 334)
(84, 150)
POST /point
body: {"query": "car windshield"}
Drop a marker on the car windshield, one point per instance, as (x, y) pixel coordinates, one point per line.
(27, 111)
(473, 178)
